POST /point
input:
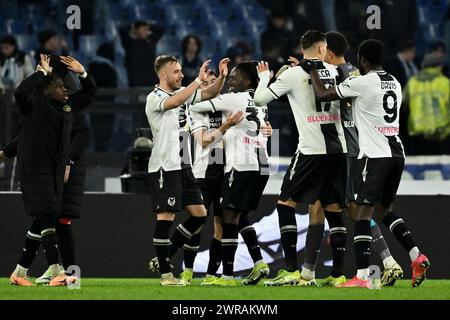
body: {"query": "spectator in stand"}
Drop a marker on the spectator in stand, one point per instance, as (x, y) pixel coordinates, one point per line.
(51, 42)
(15, 65)
(398, 22)
(238, 53)
(191, 61)
(139, 43)
(102, 68)
(428, 97)
(402, 65)
(276, 41)
(438, 49)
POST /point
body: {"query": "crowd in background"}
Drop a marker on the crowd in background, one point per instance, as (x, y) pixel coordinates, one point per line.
(416, 35)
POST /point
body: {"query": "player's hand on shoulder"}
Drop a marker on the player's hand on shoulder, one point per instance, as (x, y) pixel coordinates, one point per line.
(309, 65)
(293, 61)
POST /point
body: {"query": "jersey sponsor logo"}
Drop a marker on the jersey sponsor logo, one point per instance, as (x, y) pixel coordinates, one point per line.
(324, 118)
(349, 124)
(67, 108)
(171, 201)
(388, 130)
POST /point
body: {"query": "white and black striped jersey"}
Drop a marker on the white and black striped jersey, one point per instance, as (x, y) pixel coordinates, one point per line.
(318, 123)
(208, 162)
(170, 129)
(347, 70)
(377, 98)
(240, 140)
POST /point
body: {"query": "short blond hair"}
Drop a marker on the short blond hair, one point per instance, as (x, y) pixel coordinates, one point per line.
(162, 60)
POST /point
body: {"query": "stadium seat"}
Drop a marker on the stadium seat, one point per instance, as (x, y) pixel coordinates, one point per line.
(89, 44)
(27, 43)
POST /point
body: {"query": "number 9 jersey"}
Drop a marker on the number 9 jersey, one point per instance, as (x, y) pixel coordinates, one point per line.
(377, 97)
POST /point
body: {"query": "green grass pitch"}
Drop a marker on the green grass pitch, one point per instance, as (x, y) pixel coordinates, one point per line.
(143, 289)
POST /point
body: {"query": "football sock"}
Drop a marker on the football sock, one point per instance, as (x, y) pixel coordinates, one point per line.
(215, 256)
(161, 242)
(338, 241)
(66, 243)
(190, 251)
(184, 232)
(229, 247)
(402, 234)
(288, 231)
(378, 242)
(314, 239)
(250, 237)
(362, 241)
(32, 243)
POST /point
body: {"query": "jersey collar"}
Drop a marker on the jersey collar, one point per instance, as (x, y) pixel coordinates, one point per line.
(157, 87)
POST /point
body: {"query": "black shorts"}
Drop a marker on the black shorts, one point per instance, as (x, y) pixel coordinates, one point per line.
(350, 190)
(172, 191)
(241, 190)
(376, 180)
(211, 191)
(316, 177)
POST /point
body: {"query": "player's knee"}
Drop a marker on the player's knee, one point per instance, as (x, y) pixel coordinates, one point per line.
(230, 216)
(316, 215)
(165, 216)
(197, 211)
(289, 203)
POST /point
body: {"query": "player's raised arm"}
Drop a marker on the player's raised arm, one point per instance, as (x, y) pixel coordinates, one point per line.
(213, 90)
(221, 103)
(183, 95)
(263, 95)
(85, 96)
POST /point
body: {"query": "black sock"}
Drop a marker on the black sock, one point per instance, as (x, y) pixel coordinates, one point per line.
(184, 232)
(215, 256)
(362, 241)
(250, 237)
(32, 243)
(161, 242)
(288, 230)
(190, 251)
(229, 247)
(66, 244)
(314, 239)
(338, 241)
(400, 230)
(378, 242)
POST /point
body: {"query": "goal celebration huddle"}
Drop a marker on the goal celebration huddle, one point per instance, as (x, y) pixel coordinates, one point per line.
(210, 157)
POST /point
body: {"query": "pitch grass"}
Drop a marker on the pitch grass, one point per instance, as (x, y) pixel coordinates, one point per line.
(149, 289)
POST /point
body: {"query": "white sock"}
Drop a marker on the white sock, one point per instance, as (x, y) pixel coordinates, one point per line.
(308, 274)
(363, 274)
(209, 276)
(227, 277)
(414, 253)
(259, 262)
(20, 271)
(389, 262)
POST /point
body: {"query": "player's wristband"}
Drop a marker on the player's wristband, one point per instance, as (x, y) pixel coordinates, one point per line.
(84, 74)
(198, 81)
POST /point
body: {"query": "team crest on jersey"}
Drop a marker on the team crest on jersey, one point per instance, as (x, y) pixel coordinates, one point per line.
(67, 108)
(171, 201)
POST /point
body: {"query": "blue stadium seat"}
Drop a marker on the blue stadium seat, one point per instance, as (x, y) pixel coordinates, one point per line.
(27, 43)
(89, 44)
(168, 45)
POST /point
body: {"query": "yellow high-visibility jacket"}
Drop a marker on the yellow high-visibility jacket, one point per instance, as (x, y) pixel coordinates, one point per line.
(428, 94)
